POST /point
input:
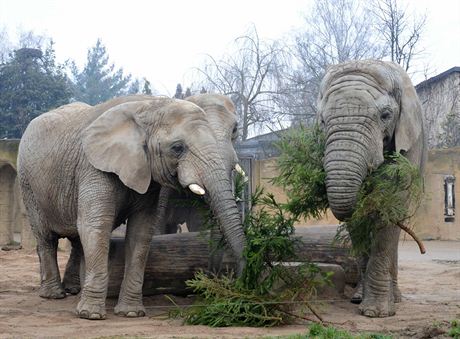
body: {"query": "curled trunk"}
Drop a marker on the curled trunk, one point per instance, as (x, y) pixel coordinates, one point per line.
(346, 164)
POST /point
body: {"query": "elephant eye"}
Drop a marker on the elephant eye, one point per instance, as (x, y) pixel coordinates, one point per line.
(385, 115)
(235, 132)
(322, 123)
(178, 148)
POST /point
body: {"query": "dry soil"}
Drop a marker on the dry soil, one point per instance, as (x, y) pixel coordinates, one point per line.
(430, 285)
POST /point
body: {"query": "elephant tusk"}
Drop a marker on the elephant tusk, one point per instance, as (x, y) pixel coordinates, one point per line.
(197, 189)
(240, 170)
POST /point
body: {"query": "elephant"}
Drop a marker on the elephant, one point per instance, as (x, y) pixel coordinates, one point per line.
(83, 171)
(221, 115)
(222, 118)
(367, 108)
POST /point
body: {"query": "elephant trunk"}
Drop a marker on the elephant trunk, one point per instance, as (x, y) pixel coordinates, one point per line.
(225, 210)
(346, 164)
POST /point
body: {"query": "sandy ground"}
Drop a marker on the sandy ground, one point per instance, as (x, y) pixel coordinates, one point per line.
(430, 286)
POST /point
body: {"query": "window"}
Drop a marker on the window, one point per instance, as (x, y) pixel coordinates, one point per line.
(449, 198)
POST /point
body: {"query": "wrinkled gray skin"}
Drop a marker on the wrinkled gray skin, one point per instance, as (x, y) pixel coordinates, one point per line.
(84, 170)
(222, 118)
(366, 108)
(221, 115)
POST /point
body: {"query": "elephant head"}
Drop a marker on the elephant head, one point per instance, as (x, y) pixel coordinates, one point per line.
(221, 114)
(169, 142)
(366, 108)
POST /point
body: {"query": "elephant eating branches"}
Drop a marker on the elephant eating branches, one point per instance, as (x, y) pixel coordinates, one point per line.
(382, 198)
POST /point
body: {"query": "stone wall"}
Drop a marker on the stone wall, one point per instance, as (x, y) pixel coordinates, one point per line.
(439, 96)
(429, 222)
(13, 218)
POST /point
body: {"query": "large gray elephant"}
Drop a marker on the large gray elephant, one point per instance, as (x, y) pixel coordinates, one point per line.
(84, 171)
(221, 115)
(222, 118)
(367, 108)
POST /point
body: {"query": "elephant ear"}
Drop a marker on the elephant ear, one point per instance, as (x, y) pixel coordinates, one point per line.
(115, 142)
(409, 134)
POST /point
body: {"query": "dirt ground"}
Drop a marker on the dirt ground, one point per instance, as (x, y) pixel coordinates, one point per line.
(430, 285)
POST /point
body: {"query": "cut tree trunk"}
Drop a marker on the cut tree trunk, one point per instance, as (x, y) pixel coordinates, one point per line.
(174, 258)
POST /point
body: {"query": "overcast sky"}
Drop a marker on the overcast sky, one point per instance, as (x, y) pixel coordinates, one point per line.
(163, 39)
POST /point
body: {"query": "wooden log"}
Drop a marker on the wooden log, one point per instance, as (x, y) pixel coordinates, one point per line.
(174, 258)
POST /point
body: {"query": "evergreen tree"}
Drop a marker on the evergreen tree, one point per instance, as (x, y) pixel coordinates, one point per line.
(99, 80)
(147, 89)
(31, 82)
(134, 87)
(179, 94)
(188, 92)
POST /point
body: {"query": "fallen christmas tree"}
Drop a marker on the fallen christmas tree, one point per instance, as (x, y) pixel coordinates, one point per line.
(250, 299)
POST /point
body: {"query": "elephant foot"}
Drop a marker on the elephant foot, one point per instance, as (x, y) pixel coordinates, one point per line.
(130, 311)
(52, 291)
(91, 311)
(357, 296)
(377, 308)
(72, 287)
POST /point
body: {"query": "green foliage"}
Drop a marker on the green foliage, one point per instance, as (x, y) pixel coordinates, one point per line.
(269, 238)
(31, 82)
(317, 331)
(301, 171)
(382, 201)
(264, 294)
(98, 81)
(454, 330)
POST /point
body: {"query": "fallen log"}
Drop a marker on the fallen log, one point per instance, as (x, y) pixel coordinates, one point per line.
(174, 258)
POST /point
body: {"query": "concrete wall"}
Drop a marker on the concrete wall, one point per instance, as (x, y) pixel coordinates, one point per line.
(439, 96)
(7, 199)
(13, 218)
(429, 221)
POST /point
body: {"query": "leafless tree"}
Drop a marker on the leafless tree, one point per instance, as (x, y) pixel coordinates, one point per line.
(250, 76)
(30, 39)
(25, 39)
(400, 30)
(6, 46)
(335, 31)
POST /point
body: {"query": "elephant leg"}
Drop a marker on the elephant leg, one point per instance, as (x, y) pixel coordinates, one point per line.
(71, 279)
(357, 296)
(96, 218)
(378, 294)
(50, 279)
(394, 269)
(47, 242)
(140, 229)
